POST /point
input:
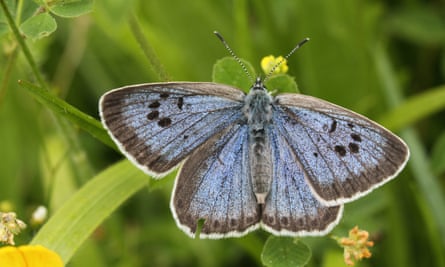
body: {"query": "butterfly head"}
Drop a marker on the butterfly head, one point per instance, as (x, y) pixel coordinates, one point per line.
(258, 85)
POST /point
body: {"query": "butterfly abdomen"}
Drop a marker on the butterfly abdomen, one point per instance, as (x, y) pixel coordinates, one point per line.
(258, 111)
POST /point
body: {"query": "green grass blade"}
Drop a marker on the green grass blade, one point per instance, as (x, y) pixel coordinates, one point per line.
(68, 228)
(84, 121)
(148, 50)
(415, 108)
(429, 189)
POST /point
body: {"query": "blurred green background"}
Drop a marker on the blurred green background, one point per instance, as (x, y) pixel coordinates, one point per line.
(369, 56)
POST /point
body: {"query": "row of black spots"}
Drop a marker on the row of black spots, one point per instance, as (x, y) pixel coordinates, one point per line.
(215, 225)
(353, 147)
(154, 114)
(341, 150)
(162, 122)
(164, 96)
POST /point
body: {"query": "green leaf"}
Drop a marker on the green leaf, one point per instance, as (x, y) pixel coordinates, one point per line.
(4, 27)
(285, 252)
(84, 121)
(70, 8)
(438, 155)
(415, 108)
(228, 71)
(39, 26)
(74, 222)
(419, 24)
(282, 83)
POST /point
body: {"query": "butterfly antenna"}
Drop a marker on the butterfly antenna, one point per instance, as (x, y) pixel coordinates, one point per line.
(223, 41)
(301, 43)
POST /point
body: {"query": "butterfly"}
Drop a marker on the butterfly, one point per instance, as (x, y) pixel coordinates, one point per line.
(285, 163)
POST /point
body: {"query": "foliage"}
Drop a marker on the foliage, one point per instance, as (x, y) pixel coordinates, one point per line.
(382, 59)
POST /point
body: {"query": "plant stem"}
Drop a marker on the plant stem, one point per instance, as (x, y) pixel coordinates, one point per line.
(23, 45)
(147, 49)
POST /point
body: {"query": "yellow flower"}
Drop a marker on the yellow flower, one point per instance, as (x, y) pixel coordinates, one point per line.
(274, 65)
(29, 256)
(355, 245)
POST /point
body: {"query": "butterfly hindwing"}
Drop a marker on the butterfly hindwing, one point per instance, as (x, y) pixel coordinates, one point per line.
(344, 154)
(158, 125)
(290, 208)
(214, 186)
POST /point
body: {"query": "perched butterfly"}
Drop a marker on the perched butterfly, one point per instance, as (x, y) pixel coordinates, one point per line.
(286, 163)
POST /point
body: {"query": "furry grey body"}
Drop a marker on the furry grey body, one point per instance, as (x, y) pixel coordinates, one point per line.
(258, 111)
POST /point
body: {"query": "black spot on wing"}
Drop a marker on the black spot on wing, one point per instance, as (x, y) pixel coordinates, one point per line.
(164, 95)
(154, 104)
(341, 150)
(353, 147)
(333, 126)
(165, 122)
(356, 137)
(153, 115)
(180, 103)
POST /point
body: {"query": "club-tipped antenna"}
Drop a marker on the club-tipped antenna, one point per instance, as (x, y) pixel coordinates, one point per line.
(223, 41)
(302, 42)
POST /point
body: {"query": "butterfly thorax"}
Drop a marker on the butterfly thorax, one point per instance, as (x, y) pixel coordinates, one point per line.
(258, 111)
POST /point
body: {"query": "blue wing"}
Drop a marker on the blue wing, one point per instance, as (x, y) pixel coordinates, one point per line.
(158, 125)
(344, 154)
(291, 208)
(213, 186)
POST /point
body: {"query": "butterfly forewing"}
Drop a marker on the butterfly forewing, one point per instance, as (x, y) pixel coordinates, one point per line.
(344, 155)
(158, 125)
(291, 208)
(213, 186)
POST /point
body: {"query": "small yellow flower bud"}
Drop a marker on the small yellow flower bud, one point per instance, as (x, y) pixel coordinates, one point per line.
(274, 65)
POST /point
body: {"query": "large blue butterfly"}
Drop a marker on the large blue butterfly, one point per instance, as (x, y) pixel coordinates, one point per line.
(286, 163)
